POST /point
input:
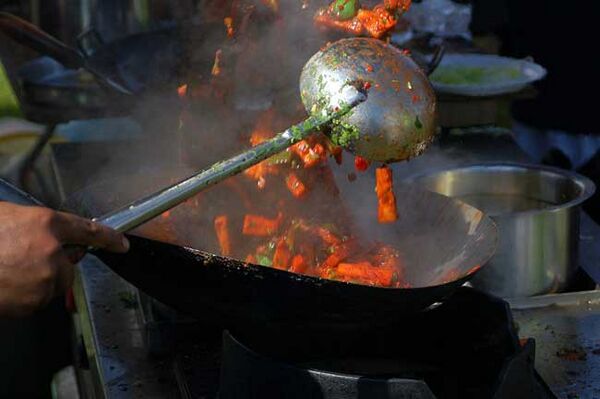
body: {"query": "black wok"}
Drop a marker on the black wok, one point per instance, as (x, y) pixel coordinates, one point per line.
(129, 65)
(443, 242)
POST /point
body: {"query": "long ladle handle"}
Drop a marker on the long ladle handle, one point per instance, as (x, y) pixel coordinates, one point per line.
(139, 212)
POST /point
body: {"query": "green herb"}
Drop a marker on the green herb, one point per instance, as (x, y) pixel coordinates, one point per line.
(296, 133)
(264, 260)
(418, 123)
(343, 133)
(345, 9)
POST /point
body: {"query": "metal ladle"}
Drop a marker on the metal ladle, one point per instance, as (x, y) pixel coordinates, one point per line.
(338, 98)
(141, 211)
(398, 121)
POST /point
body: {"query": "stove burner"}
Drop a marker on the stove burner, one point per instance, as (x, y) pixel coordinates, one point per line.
(466, 348)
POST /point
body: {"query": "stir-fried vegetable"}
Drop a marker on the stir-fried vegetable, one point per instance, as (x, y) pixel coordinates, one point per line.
(349, 17)
(296, 187)
(361, 164)
(366, 273)
(256, 225)
(344, 9)
(222, 231)
(282, 256)
(387, 212)
(297, 240)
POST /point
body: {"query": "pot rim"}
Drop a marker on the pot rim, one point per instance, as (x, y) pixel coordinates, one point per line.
(588, 188)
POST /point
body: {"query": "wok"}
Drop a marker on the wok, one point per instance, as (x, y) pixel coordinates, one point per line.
(125, 66)
(443, 242)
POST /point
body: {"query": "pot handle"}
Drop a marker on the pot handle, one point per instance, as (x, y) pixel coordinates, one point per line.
(435, 60)
(29, 35)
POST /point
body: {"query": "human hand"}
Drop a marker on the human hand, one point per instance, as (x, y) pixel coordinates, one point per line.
(35, 266)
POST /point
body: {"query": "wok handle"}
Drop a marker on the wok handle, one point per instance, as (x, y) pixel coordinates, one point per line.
(139, 212)
(29, 35)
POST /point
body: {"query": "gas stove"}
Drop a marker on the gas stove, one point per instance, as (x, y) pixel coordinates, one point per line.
(465, 348)
(129, 345)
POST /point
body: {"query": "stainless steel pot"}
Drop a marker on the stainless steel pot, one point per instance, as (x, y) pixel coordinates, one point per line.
(537, 210)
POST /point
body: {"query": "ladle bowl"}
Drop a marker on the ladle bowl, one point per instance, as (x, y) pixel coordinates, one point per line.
(398, 120)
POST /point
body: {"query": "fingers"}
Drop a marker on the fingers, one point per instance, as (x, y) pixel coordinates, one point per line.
(72, 229)
(65, 273)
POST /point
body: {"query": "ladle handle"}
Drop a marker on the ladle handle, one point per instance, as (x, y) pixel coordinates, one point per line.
(139, 212)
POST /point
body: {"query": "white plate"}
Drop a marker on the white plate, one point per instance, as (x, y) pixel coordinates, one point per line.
(529, 72)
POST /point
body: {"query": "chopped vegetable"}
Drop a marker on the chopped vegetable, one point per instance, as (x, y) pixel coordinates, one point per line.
(310, 156)
(228, 21)
(222, 230)
(299, 264)
(377, 22)
(347, 16)
(361, 164)
(281, 258)
(296, 187)
(216, 69)
(255, 225)
(327, 236)
(387, 212)
(339, 253)
(344, 9)
(366, 273)
(182, 91)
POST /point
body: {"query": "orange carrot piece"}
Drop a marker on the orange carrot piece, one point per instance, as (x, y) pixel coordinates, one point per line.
(377, 21)
(327, 236)
(281, 258)
(255, 225)
(340, 253)
(222, 230)
(296, 187)
(182, 91)
(301, 148)
(250, 259)
(365, 272)
(299, 264)
(387, 212)
(310, 156)
(216, 69)
(259, 171)
(351, 26)
(228, 22)
(315, 156)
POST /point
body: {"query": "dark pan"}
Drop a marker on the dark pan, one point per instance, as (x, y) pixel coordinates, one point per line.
(127, 66)
(444, 242)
